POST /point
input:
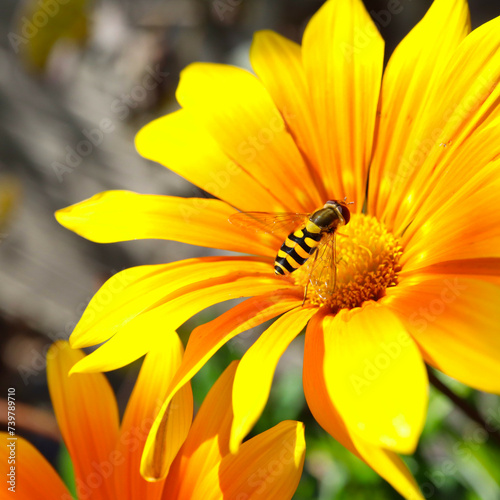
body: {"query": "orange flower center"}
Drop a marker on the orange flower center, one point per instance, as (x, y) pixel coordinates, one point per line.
(366, 260)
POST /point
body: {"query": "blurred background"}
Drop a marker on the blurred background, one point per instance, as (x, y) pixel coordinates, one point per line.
(67, 70)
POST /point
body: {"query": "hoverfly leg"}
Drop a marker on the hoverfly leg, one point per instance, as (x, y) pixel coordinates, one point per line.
(335, 261)
(309, 277)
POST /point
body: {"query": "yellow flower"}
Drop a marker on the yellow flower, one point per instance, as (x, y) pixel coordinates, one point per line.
(106, 454)
(417, 151)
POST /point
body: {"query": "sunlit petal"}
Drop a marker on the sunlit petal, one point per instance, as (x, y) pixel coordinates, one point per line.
(278, 63)
(33, 477)
(343, 56)
(143, 406)
(254, 375)
(171, 423)
(133, 291)
(123, 215)
(267, 466)
(170, 139)
(207, 442)
(456, 321)
(384, 462)
(409, 79)
(87, 415)
(121, 349)
(257, 138)
(207, 339)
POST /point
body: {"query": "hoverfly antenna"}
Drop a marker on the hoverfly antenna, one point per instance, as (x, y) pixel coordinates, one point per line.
(347, 202)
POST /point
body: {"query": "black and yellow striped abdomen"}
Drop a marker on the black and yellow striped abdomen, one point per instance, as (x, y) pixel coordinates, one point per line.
(297, 248)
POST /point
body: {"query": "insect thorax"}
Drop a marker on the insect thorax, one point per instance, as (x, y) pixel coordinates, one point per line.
(325, 219)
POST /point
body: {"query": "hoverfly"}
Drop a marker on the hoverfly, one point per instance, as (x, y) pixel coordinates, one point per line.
(310, 236)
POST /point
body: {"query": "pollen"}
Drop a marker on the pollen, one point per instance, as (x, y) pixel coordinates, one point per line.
(365, 263)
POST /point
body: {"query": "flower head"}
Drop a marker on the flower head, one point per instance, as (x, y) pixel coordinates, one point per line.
(106, 454)
(416, 148)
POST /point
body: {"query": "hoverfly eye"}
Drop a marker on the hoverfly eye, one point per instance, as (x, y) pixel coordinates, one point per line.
(345, 213)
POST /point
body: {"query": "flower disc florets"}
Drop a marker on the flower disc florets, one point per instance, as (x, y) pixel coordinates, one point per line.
(367, 261)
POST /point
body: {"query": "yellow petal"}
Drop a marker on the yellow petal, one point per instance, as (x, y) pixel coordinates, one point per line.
(483, 268)
(249, 130)
(33, 477)
(278, 63)
(457, 181)
(123, 347)
(456, 322)
(376, 377)
(409, 79)
(254, 375)
(181, 144)
(464, 101)
(267, 466)
(207, 339)
(171, 425)
(465, 226)
(207, 442)
(123, 215)
(87, 415)
(132, 291)
(386, 463)
(144, 403)
(343, 56)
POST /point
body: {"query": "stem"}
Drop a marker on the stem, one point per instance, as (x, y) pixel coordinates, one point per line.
(466, 408)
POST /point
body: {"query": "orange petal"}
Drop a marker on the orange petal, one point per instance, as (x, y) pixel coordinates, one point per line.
(254, 375)
(250, 130)
(123, 215)
(384, 462)
(456, 322)
(267, 466)
(464, 101)
(278, 63)
(409, 79)
(147, 397)
(207, 442)
(33, 477)
(170, 424)
(169, 140)
(484, 268)
(465, 226)
(205, 340)
(456, 180)
(87, 414)
(170, 315)
(133, 291)
(376, 377)
(343, 56)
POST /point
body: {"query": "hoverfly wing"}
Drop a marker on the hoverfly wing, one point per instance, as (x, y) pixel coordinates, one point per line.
(280, 224)
(323, 272)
